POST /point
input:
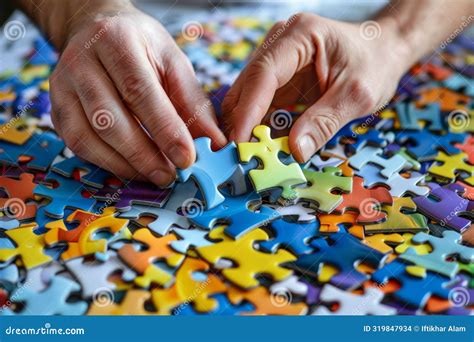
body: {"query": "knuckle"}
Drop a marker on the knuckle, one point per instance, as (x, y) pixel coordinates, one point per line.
(75, 141)
(326, 125)
(135, 87)
(361, 93)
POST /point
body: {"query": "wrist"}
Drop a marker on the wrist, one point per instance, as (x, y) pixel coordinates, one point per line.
(399, 52)
(60, 20)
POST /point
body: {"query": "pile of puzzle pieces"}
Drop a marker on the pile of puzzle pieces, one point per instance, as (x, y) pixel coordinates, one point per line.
(378, 222)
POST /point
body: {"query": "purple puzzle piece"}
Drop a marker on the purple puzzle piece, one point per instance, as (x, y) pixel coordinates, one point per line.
(312, 297)
(134, 192)
(443, 204)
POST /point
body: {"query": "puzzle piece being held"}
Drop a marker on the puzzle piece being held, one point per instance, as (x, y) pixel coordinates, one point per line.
(211, 169)
(272, 173)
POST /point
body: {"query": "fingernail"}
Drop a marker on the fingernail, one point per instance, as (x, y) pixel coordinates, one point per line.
(161, 177)
(179, 156)
(307, 147)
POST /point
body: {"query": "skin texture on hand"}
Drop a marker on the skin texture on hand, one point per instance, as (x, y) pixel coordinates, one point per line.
(124, 95)
(340, 70)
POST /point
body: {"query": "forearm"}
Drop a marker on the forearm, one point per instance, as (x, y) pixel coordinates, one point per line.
(57, 18)
(423, 25)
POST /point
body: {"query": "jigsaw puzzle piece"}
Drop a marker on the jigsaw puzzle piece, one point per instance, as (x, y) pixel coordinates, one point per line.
(401, 217)
(132, 304)
(52, 301)
(413, 290)
(189, 238)
(320, 189)
(266, 303)
(133, 192)
(29, 247)
(449, 100)
(344, 252)
(188, 290)
(468, 148)
(164, 219)
(16, 131)
(368, 303)
(443, 248)
(41, 148)
(236, 213)
(410, 115)
(67, 194)
(273, 173)
(94, 176)
(82, 240)
(317, 163)
(452, 166)
(443, 204)
(248, 262)
(398, 185)
(94, 275)
(291, 236)
(299, 212)
(367, 202)
(372, 155)
(211, 169)
(142, 261)
(224, 308)
(460, 84)
(383, 242)
(19, 192)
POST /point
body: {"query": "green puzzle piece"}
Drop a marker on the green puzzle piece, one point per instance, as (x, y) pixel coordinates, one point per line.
(451, 166)
(320, 188)
(274, 173)
(401, 217)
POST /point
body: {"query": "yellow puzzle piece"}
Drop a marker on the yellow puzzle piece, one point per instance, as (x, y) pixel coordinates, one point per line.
(451, 166)
(249, 262)
(29, 247)
(273, 173)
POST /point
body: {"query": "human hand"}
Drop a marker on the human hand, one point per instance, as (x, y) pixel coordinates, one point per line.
(336, 68)
(124, 96)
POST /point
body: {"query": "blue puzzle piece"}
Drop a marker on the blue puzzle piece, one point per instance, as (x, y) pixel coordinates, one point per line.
(9, 274)
(409, 116)
(460, 83)
(52, 301)
(95, 175)
(225, 308)
(424, 145)
(67, 195)
(235, 212)
(43, 148)
(344, 252)
(443, 248)
(211, 169)
(370, 137)
(292, 236)
(413, 290)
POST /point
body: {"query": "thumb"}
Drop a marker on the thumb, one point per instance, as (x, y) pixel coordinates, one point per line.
(323, 119)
